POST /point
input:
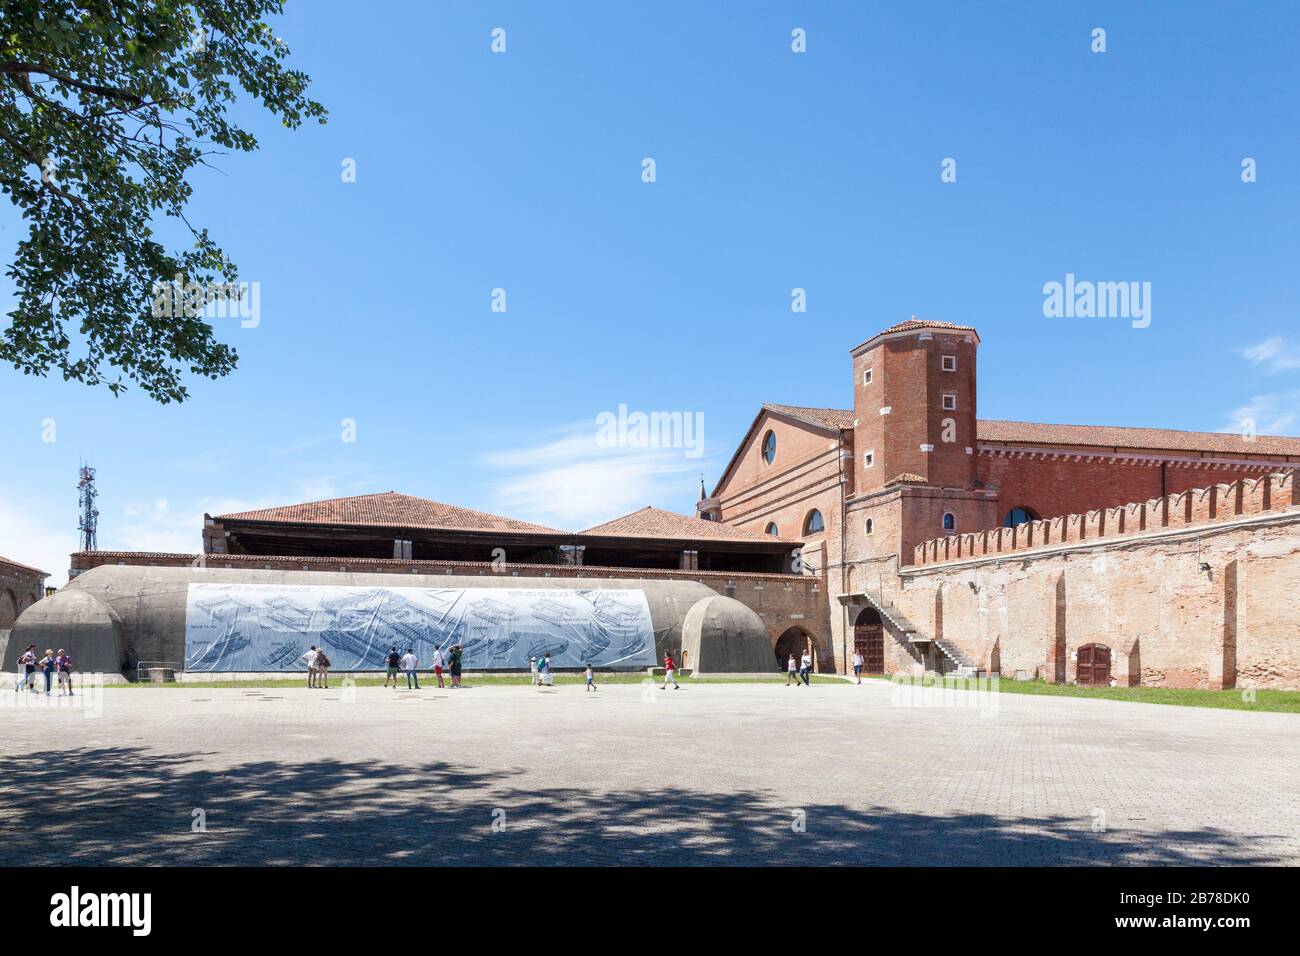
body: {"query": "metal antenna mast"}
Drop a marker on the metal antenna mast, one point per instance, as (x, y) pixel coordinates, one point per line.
(88, 523)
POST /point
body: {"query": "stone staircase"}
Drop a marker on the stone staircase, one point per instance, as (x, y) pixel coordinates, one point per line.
(963, 666)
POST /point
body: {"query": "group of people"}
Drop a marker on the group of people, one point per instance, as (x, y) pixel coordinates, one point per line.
(541, 674)
(409, 665)
(796, 672)
(318, 667)
(50, 665)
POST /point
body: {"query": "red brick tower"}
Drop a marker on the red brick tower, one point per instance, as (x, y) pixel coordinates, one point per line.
(914, 401)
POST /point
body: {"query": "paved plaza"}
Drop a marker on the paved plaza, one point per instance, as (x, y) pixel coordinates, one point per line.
(710, 774)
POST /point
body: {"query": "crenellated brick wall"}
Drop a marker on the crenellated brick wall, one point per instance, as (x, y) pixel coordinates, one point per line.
(1197, 506)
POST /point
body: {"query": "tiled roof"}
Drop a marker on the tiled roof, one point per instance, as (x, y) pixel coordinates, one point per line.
(909, 478)
(390, 509)
(23, 567)
(825, 417)
(915, 323)
(669, 525)
(1162, 439)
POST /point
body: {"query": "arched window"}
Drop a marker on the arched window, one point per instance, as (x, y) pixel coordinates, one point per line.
(771, 528)
(1018, 516)
(813, 524)
(949, 521)
(769, 447)
(871, 525)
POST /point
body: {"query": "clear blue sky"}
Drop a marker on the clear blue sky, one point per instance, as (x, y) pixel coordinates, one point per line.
(775, 170)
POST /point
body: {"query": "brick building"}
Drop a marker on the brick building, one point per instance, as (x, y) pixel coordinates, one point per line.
(907, 529)
(867, 487)
(20, 588)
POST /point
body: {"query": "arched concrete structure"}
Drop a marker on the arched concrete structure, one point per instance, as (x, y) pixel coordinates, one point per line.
(131, 613)
(722, 635)
(80, 623)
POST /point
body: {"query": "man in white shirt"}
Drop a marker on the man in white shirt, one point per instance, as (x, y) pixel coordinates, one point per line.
(310, 658)
(857, 666)
(439, 662)
(409, 664)
(805, 666)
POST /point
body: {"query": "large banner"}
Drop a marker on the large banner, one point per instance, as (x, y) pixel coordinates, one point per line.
(268, 627)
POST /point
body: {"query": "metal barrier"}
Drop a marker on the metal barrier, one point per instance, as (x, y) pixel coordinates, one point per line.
(158, 672)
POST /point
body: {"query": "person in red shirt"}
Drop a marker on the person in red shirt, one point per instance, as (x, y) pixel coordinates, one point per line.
(670, 672)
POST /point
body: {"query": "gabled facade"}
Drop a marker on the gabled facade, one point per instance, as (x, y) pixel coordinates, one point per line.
(912, 462)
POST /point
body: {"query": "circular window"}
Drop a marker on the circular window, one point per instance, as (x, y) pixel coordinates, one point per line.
(771, 528)
(813, 524)
(769, 447)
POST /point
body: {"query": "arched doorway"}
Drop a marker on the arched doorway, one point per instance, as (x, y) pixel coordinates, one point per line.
(869, 640)
(794, 640)
(1092, 669)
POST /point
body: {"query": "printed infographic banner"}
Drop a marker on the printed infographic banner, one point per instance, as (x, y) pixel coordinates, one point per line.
(268, 627)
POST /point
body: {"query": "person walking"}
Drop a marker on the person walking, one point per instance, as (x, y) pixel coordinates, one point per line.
(591, 678)
(409, 664)
(670, 672)
(532, 670)
(311, 657)
(857, 666)
(63, 665)
(438, 663)
(543, 670)
(322, 669)
(47, 668)
(791, 672)
(26, 668)
(453, 666)
(805, 666)
(394, 661)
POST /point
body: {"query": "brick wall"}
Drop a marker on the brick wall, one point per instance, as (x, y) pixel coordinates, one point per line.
(1212, 603)
(1222, 502)
(1062, 484)
(20, 587)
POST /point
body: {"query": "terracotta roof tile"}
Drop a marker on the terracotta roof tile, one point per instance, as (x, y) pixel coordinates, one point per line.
(1162, 439)
(924, 324)
(825, 417)
(390, 509)
(669, 525)
(907, 478)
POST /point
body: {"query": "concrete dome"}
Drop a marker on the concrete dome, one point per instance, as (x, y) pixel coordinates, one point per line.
(720, 635)
(87, 628)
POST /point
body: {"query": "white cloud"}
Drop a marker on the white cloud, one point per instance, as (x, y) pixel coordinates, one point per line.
(1273, 354)
(27, 538)
(570, 482)
(1272, 414)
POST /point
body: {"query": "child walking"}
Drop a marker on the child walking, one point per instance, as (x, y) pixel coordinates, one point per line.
(591, 678)
(670, 672)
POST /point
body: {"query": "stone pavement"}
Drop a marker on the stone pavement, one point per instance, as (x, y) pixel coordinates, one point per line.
(713, 773)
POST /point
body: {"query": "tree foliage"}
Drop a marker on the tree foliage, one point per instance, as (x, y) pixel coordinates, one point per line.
(105, 109)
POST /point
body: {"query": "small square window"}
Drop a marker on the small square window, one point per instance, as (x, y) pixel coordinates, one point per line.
(866, 376)
(950, 363)
(868, 459)
(949, 402)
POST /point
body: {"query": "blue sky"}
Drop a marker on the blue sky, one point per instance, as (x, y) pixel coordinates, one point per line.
(774, 170)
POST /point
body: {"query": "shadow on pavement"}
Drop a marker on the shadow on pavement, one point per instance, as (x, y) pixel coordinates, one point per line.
(129, 806)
